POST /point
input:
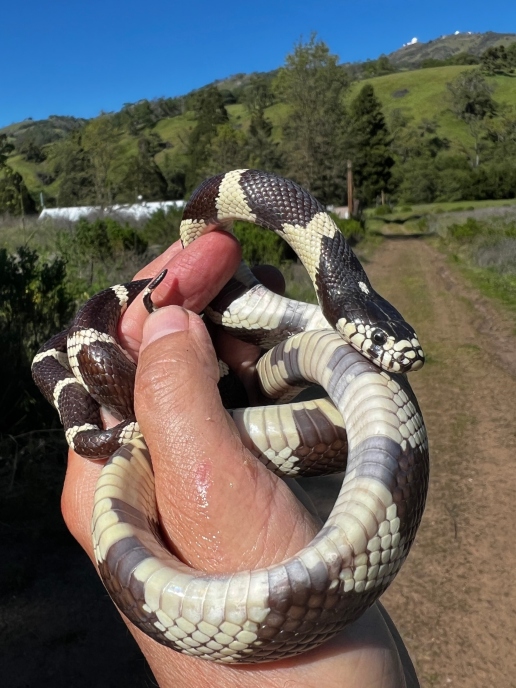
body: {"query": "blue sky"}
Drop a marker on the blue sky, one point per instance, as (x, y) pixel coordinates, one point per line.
(78, 58)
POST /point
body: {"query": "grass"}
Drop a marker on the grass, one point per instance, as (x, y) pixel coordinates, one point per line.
(175, 130)
(457, 206)
(485, 251)
(28, 171)
(434, 216)
(491, 283)
(428, 97)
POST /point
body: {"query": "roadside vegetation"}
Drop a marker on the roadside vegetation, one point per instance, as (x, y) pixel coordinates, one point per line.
(486, 252)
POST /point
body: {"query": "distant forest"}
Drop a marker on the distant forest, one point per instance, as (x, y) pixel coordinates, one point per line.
(304, 121)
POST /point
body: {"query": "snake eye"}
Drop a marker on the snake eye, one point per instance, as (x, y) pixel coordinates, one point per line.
(379, 337)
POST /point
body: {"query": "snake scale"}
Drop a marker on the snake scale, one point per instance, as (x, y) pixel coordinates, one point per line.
(354, 344)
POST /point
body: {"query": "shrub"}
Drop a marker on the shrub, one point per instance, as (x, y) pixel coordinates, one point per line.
(382, 210)
(100, 253)
(261, 245)
(471, 228)
(352, 229)
(35, 304)
(500, 256)
(162, 228)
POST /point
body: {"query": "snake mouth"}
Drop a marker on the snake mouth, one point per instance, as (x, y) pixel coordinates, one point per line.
(383, 349)
(398, 357)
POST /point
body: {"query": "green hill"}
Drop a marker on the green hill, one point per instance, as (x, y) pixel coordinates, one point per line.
(43, 131)
(423, 94)
(419, 94)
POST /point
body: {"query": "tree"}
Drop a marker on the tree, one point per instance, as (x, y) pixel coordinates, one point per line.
(14, 195)
(6, 148)
(511, 57)
(15, 198)
(368, 146)
(472, 103)
(100, 142)
(69, 161)
(471, 96)
(227, 150)
(501, 131)
(494, 60)
(457, 59)
(418, 181)
(262, 151)
(257, 95)
(313, 85)
(29, 148)
(415, 141)
(378, 67)
(209, 107)
(143, 177)
(174, 170)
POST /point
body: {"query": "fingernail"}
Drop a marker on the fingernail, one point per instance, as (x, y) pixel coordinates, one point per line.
(162, 322)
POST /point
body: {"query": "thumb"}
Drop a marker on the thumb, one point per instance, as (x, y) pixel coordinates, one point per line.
(219, 506)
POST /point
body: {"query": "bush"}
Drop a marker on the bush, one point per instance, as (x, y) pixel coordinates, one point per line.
(262, 245)
(471, 228)
(382, 210)
(500, 256)
(163, 227)
(100, 253)
(35, 303)
(422, 224)
(352, 229)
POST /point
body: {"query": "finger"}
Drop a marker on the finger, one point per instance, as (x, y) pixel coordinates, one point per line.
(222, 506)
(77, 498)
(195, 276)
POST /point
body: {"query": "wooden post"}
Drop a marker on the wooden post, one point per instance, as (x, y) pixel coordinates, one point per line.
(350, 189)
(383, 197)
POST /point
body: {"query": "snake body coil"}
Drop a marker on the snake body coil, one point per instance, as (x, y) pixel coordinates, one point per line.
(355, 345)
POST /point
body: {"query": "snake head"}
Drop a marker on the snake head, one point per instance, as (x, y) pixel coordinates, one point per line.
(381, 334)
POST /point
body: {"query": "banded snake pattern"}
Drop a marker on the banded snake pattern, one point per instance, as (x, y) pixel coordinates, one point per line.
(354, 344)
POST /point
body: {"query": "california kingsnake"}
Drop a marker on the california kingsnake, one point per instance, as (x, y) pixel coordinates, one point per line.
(262, 615)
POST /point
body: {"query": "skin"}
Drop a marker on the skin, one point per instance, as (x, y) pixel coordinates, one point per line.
(222, 508)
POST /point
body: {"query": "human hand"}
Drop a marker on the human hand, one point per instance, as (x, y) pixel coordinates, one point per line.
(224, 509)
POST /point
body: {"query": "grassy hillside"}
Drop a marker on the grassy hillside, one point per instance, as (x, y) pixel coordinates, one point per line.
(173, 130)
(45, 130)
(418, 94)
(423, 94)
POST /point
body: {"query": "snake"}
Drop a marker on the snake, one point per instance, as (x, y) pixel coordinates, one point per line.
(354, 344)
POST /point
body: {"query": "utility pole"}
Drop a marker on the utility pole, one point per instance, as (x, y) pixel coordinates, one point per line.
(350, 189)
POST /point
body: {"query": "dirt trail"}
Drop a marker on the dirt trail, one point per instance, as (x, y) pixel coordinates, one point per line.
(455, 599)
